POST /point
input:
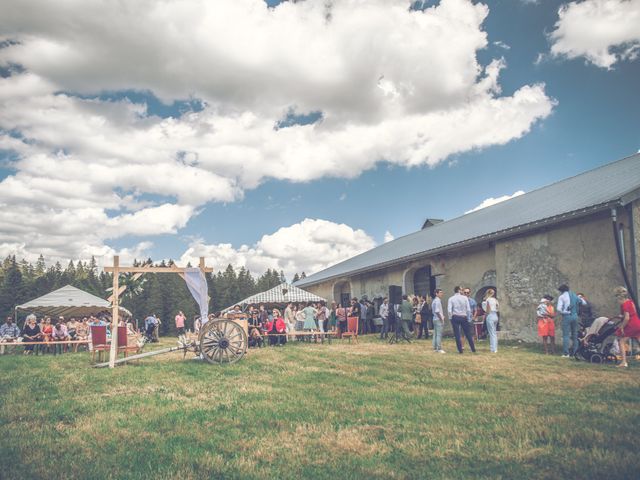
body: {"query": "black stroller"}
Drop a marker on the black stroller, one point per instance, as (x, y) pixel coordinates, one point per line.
(596, 342)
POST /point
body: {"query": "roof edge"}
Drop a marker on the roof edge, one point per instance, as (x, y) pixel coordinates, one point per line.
(526, 227)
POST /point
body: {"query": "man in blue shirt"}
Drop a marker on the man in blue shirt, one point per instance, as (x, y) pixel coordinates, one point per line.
(471, 317)
(568, 303)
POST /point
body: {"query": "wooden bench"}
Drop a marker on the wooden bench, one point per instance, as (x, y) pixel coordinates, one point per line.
(303, 334)
(51, 343)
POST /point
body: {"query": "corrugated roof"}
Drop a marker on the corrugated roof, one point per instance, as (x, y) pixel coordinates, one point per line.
(283, 293)
(586, 192)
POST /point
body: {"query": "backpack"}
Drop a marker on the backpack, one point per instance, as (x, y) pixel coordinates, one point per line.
(573, 304)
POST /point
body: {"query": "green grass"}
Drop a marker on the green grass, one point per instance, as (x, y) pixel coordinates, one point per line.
(322, 411)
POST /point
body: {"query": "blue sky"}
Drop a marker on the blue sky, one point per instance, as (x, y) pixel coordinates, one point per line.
(593, 121)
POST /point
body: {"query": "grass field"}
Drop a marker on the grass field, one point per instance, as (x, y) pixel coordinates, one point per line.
(322, 411)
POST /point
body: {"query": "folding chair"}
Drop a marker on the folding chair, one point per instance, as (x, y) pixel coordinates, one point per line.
(352, 329)
(123, 342)
(98, 341)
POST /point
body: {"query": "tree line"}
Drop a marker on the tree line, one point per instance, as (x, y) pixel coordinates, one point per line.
(161, 294)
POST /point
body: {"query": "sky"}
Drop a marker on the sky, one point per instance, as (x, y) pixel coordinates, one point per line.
(295, 135)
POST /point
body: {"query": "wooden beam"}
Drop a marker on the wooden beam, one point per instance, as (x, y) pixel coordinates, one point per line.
(114, 315)
(153, 269)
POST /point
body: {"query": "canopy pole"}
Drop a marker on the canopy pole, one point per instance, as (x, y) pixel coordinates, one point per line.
(114, 315)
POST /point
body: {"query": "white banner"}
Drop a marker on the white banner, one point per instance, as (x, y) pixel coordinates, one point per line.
(197, 283)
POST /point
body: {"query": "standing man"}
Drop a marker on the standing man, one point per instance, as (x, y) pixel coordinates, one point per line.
(180, 318)
(150, 324)
(568, 303)
(459, 313)
(289, 318)
(384, 314)
(362, 322)
(438, 320)
(473, 305)
(368, 318)
(406, 317)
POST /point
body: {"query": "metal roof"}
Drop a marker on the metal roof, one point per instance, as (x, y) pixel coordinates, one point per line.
(68, 301)
(617, 182)
(283, 293)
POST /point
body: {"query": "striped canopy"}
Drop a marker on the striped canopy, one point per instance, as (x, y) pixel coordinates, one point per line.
(69, 302)
(282, 294)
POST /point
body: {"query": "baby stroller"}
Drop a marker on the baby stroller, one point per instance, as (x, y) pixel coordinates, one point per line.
(596, 342)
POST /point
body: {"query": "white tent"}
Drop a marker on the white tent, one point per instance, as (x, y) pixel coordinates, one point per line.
(282, 294)
(68, 301)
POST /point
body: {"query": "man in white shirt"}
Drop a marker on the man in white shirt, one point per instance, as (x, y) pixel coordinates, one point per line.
(459, 313)
(384, 314)
(438, 320)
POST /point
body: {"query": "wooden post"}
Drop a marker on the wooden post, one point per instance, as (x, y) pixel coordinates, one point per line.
(114, 315)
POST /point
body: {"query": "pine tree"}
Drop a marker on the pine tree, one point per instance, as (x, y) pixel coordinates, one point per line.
(41, 267)
(12, 289)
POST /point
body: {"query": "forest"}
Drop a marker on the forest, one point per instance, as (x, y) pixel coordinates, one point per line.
(160, 294)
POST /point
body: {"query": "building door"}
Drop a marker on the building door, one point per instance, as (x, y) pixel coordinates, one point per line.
(423, 282)
(345, 299)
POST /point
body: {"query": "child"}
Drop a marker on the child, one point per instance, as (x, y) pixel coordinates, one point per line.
(546, 326)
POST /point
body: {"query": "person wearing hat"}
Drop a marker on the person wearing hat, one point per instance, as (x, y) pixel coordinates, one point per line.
(546, 324)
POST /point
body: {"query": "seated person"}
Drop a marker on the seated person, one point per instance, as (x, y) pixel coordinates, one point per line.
(277, 328)
(72, 328)
(82, 331)
(255, 338)
(60, 334)
(9, 333)
(31, 333)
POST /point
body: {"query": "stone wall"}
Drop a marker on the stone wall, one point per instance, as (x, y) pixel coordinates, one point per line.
(580, 253)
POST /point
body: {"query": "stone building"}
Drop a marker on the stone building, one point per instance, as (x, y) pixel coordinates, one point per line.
(524, 248)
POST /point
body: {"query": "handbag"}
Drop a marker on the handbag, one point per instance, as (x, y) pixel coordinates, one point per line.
(418, 318)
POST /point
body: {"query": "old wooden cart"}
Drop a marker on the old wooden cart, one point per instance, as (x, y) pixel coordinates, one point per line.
(220, 341)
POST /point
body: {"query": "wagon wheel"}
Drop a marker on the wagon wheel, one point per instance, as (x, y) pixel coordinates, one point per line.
(223, 341)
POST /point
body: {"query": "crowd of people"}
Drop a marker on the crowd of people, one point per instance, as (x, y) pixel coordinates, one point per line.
(57, 336)
(415, 317)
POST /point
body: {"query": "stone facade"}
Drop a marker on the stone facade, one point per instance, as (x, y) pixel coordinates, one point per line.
(522, 268)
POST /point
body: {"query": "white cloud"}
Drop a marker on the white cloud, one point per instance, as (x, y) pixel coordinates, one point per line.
(492, 201)
(602, 31)
(388, 236)
(308, 246)
(501, 44)
(392, 84)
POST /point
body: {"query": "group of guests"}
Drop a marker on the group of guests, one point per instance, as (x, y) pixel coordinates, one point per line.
(574, 310)
(411, 317)
(53, 334)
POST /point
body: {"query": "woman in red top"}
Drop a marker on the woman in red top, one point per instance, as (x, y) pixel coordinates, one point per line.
(277, 328)
(630, 326)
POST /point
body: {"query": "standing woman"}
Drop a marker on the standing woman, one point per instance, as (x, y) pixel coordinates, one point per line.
(341, 318)
(417, 302)
(333, 319)
(425, 315)
(491, 307)
(630, 326)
